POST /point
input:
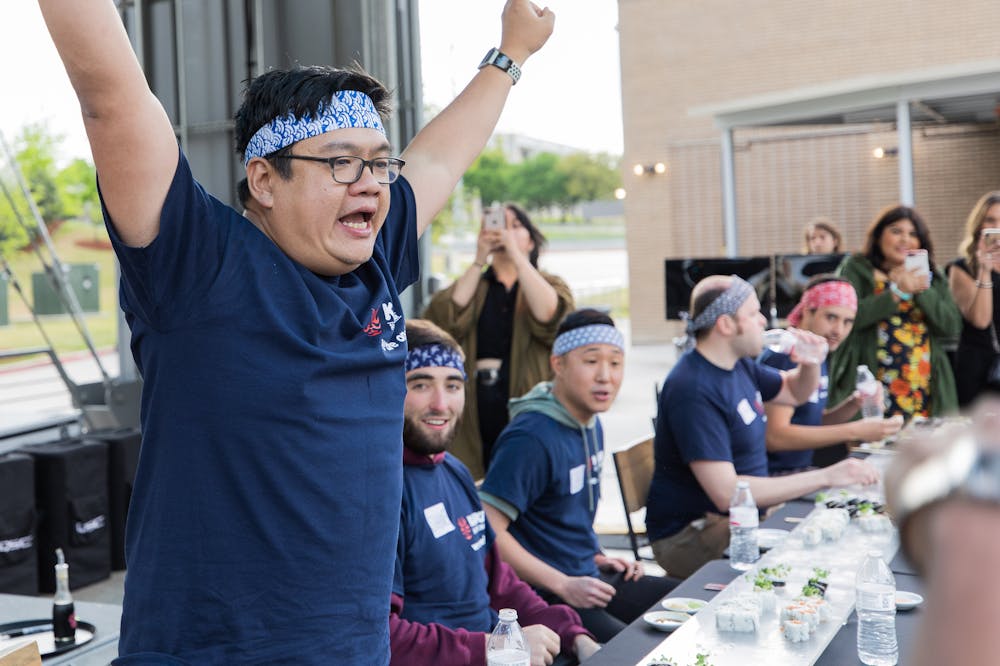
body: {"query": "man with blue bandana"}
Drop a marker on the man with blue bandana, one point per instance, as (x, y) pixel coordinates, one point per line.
(450, 580)
(542, 488)
(710, 428)
(266, 505)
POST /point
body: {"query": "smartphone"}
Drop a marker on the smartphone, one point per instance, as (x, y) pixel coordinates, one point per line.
(991, 239)
(917, 259)
(494, 217)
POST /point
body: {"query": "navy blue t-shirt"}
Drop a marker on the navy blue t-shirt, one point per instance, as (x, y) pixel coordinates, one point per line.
(809, 413)
(264, 517)
(705, 413)
(551, 475)
(441, 554)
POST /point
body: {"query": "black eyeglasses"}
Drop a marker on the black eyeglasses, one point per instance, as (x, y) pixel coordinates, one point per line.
(347, 169)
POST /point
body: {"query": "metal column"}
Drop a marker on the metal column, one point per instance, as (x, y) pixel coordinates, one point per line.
(904, 140)
(729, 192)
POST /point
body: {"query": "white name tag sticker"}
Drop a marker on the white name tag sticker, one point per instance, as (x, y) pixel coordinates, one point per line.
(576, 479)
(746, 411)
(438, 520)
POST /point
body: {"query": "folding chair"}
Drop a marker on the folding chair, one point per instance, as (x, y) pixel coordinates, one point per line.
(634, 466)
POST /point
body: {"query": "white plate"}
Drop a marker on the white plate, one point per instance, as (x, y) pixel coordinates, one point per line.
(907, 600)
(665, 620)
(683, 604)
(770, 538)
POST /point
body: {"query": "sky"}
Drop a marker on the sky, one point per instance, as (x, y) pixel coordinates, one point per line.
(556, 99)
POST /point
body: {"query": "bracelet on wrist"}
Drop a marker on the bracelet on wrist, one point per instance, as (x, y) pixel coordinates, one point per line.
(900, 294)
(479, 264)
(984, 285)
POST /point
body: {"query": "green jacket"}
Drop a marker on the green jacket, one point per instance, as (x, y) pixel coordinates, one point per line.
(944, 323)
(530, 348)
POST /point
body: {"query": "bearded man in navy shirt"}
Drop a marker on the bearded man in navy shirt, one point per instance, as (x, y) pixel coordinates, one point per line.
(827, 308)
(450, 580)
(710, 428)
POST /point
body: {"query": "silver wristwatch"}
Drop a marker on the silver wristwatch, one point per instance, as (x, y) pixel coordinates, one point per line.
(501, 61)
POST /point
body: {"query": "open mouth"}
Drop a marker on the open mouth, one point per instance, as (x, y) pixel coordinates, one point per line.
(435, 423)
(358, 221)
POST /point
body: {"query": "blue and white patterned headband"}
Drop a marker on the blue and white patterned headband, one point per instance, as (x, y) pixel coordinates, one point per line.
(726, 303)
(434, 356)
(346, 108)
(594, 334)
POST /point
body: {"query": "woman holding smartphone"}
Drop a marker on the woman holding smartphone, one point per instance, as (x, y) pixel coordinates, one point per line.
(905, 318)
(971, 278)
(504, 312)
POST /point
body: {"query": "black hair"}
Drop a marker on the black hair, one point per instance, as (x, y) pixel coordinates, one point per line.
(300, 91)
(422, 332)
(243, 192)
(583, 317)
(537, 237)
(887, 216)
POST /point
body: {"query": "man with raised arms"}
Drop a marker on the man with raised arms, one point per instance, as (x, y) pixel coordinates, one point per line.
(266, 505)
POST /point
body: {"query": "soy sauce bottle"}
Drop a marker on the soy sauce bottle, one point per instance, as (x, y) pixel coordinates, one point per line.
(63, 613)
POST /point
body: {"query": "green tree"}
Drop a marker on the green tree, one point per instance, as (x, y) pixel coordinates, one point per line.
(588, 178)
(537, 182)
(35, 150)
(491, 176)
(77, 186)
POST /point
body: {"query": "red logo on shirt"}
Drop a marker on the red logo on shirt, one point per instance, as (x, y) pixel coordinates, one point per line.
(374, 326)
(463, 526)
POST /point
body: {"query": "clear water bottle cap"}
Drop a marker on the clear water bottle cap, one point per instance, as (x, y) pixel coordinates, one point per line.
(508, 614)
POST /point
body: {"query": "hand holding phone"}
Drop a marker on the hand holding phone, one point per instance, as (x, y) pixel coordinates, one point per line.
(917, 259)
(991, 240)
(494, 217)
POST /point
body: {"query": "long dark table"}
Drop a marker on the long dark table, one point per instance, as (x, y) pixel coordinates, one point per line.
(638, 639)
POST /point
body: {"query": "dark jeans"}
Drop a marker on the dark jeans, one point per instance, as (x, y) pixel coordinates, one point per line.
(631, 600)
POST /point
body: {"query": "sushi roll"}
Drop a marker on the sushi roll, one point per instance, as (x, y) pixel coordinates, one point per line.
(812, 535)
(801, 612)
(738, 615)
(766, 599)
(823, 610)
(795, 630)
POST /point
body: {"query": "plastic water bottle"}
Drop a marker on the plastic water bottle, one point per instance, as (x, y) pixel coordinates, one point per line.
(507, 646)
(743, 520)
(871, 402)
(876, 608)
(783, 342)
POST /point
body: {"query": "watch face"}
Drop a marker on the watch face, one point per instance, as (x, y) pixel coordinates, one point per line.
(502, 61)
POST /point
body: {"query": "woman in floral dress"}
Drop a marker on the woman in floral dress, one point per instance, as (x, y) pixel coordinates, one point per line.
(906, 319)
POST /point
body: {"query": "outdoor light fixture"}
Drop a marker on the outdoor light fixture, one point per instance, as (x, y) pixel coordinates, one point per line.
(620, 193)
(880, 152)
(657, 168)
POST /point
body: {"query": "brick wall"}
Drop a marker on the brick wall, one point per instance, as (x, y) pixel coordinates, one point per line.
(678, 55)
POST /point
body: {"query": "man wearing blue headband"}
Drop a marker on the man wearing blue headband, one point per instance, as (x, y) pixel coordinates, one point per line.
(542, 488)
(263, 521)
(710, 428)
(450, 580)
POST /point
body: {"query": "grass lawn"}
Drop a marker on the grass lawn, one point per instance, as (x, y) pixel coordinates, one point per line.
(22, 332)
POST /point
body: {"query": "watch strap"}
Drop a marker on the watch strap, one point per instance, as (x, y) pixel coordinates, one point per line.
(503, 62)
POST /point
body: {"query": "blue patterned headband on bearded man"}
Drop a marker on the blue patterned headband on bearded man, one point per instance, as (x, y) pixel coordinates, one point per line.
(593, 334)
(726, 303)
(346, 108)
(434, 356)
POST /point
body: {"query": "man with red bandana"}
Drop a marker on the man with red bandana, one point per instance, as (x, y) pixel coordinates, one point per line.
(827, 308)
